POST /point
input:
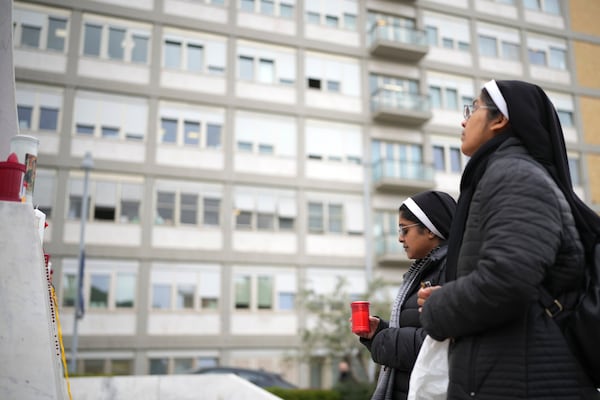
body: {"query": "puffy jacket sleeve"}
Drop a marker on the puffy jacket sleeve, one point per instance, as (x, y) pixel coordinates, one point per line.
(512, 235)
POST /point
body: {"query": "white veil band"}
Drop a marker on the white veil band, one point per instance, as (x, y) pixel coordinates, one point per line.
(496, 95)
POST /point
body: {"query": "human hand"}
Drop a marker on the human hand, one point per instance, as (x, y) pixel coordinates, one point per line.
(423, 294)
(373, 324)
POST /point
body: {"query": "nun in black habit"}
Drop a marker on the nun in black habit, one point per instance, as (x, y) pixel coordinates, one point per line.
(423, 224)
(518, 225)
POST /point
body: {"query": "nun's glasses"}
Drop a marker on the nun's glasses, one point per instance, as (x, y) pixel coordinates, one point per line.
(403, 229)
(469, 109)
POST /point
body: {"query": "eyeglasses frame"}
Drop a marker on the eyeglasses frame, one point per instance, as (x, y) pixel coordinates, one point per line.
(469, 109)
(401, 229)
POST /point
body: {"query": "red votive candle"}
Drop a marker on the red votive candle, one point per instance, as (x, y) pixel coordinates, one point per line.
(360, 317)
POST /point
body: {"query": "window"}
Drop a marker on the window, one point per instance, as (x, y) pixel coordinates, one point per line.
(91, 44)
(439, 160)
(537, 57)
(432, 35)
(48, 119)
(332, 74)
(193, 287)
(511, 51)
(110, 117)
(452, 99)
(191, 134)
(195, 54)
(115, 201)
(108, 284)
(565, 117)
(57, 32)
(30, 36)
(336, 14)
(246, 68)
(169, 130)
(116, 41)
(435, 97)
(43, 195)
(314, 83)
(487, 46)
(161, 296)
(315, 217)
(172, 54)
(41, 29)
(455, 160)
(335, 218)
(286, 10)
(247, 5)
(266, 71)
(185, 203)
(213, 135)
(24, 114)
(558, 58)
(242, 292)
(265, 292)
(267, 7)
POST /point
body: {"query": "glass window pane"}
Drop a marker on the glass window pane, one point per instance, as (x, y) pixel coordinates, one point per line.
(93, 367)
(110, 132)
(266, 71)
(246, 68)
(165, 207)
(487, 46)
(565, 117)
(435, 97)
(439, 162)
(265, 221)
(286, 10)
(30, 36)
(130, 211)
(350, 22)
(99, 286)
(511, 51)
(267, 7)
(265, 292)
(335, 218)
(161, 296)
(455, 160)
(48, 119)
(451, 99)
(125, 291)
(24, 113)
(185, 296)
(331, 21)
(313, 18)
(537, 57)
(172, 54)
(68, 290)
(265, 148)
(247, 5)
(286, 223)
(121, 367)
(191, 133)
(211, 211)
(315, 217)
(432, 35)
(84, 129)
(243, 220)
(242, 292)
(558, 58)
(189, 208)
(213, 135)
(195, 59)
(91, 43)
(139, 53)
(574, 171)
(57, 32)
(552, 7)
(159, 366)
(532, 4)
(168, 130)
(116, 43)
(286, 301)
(182, 365)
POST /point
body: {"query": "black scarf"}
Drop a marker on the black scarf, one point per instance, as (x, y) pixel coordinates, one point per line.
(470, 178)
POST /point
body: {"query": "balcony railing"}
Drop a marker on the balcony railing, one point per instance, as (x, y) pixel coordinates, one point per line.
(397, 175)
(391, 103)
(388, 251)
(397, 42)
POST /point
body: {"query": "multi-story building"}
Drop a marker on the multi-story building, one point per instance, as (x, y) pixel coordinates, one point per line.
(245, 150)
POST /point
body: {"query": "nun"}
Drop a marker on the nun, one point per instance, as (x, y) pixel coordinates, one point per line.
(518, 225)
(423, 226)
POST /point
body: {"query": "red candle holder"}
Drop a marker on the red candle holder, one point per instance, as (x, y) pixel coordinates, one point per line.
(360, 317)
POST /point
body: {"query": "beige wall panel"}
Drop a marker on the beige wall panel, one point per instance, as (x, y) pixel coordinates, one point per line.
(584, 16)
(594, 174)
(590, 117)
(587, 63)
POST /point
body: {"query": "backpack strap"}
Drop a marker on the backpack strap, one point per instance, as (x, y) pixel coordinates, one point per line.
(552, 306)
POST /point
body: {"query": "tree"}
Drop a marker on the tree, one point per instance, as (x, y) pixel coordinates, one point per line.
(329, 334)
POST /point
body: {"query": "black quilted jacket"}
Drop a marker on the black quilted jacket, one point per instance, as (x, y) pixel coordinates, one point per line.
(519, 233)
(398, 347)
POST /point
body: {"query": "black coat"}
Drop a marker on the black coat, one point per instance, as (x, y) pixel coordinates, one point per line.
(519, 233)
(398, 347)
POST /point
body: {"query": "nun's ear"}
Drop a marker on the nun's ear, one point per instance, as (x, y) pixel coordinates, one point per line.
(499, 124)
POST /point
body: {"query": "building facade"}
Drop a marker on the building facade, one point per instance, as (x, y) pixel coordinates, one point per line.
(246, 150)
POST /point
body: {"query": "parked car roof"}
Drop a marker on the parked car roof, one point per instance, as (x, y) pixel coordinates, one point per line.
(260, 378)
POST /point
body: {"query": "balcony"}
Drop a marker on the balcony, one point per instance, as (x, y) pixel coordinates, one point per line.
(388, 252)
(401, 176)
(397, 42)
(390, 103)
